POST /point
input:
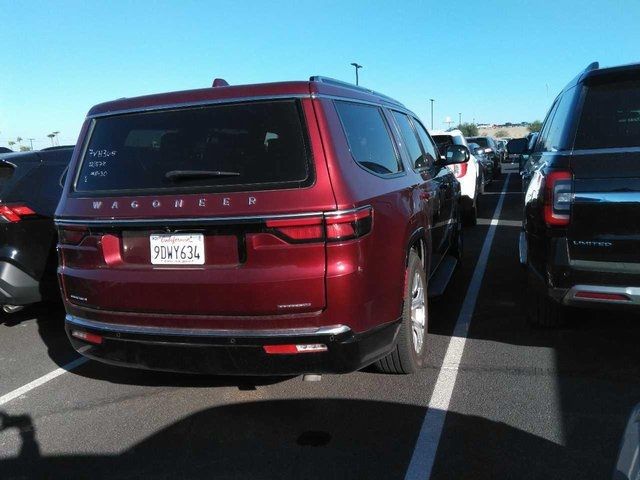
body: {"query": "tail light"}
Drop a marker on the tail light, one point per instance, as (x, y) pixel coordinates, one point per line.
(349, 225)
(72, 235)
(557, 198)
(333, 227)
(14, 213)
(460, 169)
(306, 229)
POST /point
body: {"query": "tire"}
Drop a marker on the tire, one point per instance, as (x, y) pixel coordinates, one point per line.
(407, 357)
(543, 311)
(470, 214)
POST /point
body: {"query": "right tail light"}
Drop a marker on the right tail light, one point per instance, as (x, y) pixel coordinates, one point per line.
(557, 197)
(333, 226)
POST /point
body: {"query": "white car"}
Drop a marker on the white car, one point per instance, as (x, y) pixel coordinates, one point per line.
(468, 174)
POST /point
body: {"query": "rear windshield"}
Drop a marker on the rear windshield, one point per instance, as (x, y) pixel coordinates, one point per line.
(443, 141)
(248, 146)
(482, 141)
(610, 116)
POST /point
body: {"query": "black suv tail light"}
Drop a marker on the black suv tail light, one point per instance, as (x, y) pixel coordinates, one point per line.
(557, 198)
(14, 213)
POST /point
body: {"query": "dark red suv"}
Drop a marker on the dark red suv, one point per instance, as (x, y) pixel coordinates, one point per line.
(278, 228)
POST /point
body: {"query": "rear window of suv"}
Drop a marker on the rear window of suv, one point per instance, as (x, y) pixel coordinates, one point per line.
(610, 116)
(482, 141)
(229, 147)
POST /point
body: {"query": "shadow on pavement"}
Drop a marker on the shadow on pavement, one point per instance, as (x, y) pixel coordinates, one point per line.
(298, 439)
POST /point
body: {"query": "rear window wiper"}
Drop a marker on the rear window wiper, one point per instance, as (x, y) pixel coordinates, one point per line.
(189, 174)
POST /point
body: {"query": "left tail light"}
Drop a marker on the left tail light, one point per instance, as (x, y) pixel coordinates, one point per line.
(72, 235)
(557, 197)
(14, 213)
(460, 169)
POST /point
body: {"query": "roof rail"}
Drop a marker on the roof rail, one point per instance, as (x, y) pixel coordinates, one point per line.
(351, 86)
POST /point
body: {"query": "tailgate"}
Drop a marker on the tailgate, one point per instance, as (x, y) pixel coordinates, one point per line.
(245, 269)
(604, 220)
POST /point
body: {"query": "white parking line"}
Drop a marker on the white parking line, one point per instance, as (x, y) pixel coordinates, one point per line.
(42, 380)
(424, 452)
(500, 223)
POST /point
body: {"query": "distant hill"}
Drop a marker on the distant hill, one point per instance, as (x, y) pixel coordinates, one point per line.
(512, 132)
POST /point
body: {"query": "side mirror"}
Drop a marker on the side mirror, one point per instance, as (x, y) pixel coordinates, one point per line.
(456, 154)
(517, 146)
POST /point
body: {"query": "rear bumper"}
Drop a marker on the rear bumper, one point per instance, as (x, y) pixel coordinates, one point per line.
(232, 352)
(579, 283)
(17, 287)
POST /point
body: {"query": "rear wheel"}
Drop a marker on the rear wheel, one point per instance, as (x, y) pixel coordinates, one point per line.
(543, 311)
(410, 351)
(470, 214)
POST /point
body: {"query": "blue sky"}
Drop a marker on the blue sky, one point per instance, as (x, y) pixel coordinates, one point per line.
(490, 60)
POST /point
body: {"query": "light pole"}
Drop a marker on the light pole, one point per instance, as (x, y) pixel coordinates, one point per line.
(357, 67)
(31, 141)
(431, 100)
(459, 118)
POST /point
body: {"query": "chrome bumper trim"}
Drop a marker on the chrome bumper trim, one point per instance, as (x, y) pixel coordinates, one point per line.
(632, 292)
(197, 332)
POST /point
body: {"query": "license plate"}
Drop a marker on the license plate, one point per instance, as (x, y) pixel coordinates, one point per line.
(180, 249)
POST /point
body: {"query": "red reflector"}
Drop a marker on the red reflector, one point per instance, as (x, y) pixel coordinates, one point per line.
(87, 337)
(619, 297)
(292, 349)
(14, 213)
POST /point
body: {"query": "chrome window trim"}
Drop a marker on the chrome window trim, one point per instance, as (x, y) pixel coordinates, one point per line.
(607, 197)
(195, 332)
(61, 222)
(610, 267)
(201, 103)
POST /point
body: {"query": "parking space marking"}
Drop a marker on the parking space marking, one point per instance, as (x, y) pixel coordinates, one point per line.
(42, 380)
(500, 223)
(426, 447)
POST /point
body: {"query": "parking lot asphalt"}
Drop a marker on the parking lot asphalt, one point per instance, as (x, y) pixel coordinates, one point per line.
(525, 402)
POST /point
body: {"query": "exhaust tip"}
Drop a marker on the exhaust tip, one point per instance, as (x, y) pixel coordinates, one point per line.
(12, 308)
(311, 377)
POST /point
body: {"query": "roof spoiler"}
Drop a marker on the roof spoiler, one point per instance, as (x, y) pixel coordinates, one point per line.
(592, 66)
(219, 82)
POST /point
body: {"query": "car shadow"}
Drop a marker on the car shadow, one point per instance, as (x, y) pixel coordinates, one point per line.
(301, 439)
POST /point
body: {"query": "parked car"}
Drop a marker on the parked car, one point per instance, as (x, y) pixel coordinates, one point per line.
(484, 161)
(470, 174)
(580, 242)
(491, 149)
(628, 462)
(30, 187)
(246, 230)
(5, 150)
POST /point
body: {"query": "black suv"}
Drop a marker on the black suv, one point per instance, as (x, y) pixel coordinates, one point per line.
(490, 147)
(30, 187)
(580, 238)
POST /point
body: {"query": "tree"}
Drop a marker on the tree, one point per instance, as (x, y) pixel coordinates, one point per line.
(469, 129)
(19, 140)
(501, 133)
(11, 144)
(51, 136)
(24, 148)
(535, 126)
